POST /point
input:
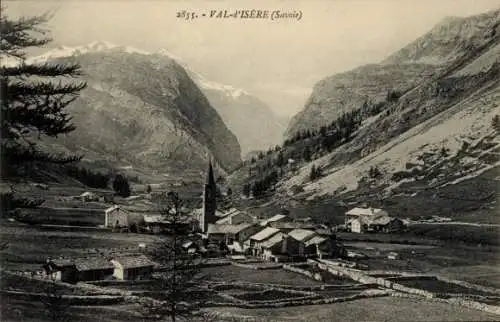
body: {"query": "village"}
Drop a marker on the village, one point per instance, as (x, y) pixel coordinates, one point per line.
(233, 234)
(102, 246)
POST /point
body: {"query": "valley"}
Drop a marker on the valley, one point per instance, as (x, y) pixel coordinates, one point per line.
(180, 198)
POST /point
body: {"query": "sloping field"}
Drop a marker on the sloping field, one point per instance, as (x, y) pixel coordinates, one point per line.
(386, 309)
(30, 246)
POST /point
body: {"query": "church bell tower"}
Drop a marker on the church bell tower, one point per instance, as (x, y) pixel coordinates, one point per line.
(209, 200)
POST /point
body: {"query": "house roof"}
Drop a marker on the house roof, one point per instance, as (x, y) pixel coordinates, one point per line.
(226, 218)
(115, 207)
(134, 261)
(382, 221)
(291, 225)
(227, 229)
(149, 219)
(274, 218)
(316, 240)
(187, 244)
(366, 212)
(87, 193)
(264, 234)
(85, 263)
(301, 234)
(274, 240)
(163, 219)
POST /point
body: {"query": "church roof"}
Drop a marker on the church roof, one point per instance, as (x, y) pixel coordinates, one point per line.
(210, 175)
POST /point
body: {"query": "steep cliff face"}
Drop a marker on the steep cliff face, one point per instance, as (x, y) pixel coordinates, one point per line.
(344, 92)
(252, 121)
(145, 110)
(422, 60)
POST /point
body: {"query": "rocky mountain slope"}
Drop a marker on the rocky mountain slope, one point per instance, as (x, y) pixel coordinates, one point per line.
(421, 60)
(144, 110)
(253, 122)
(435, 147)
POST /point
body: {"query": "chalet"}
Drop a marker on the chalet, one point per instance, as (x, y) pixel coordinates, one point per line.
(94, 269)
(287, 226)
(88, 197)
(255, 241)
(387, 225)
(272, 248)
(318, 246)
(368, 213)
(231, 233)
(79, 269)
(115, 217)
(294, 242)
(158, 223)
(236, 217)
(273, 219)
(132, 268)
(61, 270)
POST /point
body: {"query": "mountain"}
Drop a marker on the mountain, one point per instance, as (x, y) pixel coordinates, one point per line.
(431, 148)
(253, 122)
(144, 110)
(421, 60)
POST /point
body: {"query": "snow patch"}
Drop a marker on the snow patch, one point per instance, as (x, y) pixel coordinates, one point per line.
(104, 46)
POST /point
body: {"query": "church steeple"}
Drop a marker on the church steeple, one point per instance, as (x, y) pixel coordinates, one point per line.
(210, 175)
(209, 199)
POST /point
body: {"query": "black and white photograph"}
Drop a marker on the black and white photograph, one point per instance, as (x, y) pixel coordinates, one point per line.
(240, 160)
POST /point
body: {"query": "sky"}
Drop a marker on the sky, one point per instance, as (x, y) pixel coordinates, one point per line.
(279, 61)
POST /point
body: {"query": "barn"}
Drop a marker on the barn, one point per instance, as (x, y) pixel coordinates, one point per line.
(132, 268)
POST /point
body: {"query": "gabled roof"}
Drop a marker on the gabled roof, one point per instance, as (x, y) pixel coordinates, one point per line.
(264, 234)
(274, 218)
(226, 218)
(274, 240)
(134, 261)
(291, 225)
(86, 263)
(227, 229)
(316, 240)
(218, 213)
(366, 212)
(301, 234)
(187, 244)
(115, 207)
(150, 219)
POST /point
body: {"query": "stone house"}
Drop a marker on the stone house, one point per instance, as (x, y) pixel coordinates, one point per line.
(254, 242)
(132, 268)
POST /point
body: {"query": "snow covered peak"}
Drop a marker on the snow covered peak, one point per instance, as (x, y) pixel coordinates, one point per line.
(164, 52)
(104, 46)
(66, 51)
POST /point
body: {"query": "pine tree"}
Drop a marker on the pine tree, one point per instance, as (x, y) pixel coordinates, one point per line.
(246, 190)
(495, 122)
(33, 96)
(121, 186)
(307, 154)
(181, 276)
(312, 174)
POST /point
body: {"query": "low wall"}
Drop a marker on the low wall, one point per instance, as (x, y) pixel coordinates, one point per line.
(305, 301)
(70, 299)
(362, 277)
(257, 266)
(293, 287)
(455, 301)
